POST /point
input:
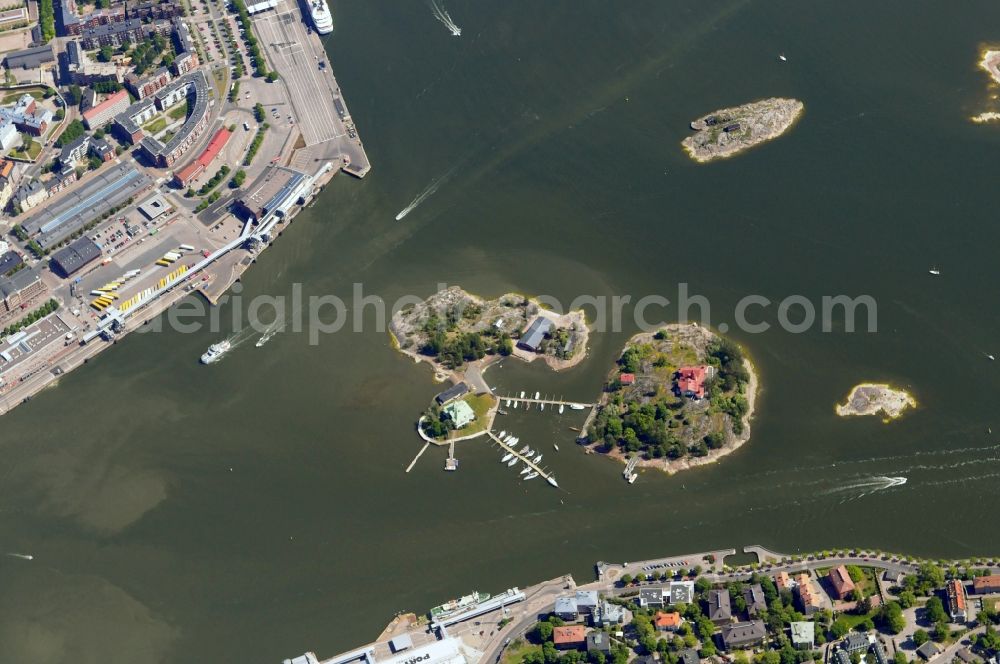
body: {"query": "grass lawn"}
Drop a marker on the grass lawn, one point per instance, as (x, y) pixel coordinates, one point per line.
(178, 111)
(480, 404)
(155, 126)
(36, 91)
(220, 75)
(854, 619)
(517, 650)
(29, 151)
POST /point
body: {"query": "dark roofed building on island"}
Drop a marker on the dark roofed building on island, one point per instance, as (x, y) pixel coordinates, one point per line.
(533, 336)
(71, 259)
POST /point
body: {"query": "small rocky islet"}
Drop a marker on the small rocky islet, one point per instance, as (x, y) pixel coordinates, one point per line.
(727, 131)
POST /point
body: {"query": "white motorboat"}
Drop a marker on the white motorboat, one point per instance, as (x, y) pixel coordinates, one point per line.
(537, 458)
(322, 18)
(561, 407)
(515, 404)
(576, 406)
(934, 271)
(783, 58)
(551, 479)
(513, 441)
(537, 395)
(524, 449)
(555, 446)
(527, 455)
(531, 476)
(507, 457)
(526, 469)
(512, 462)
(507, 403)
(215, 352)
(632, 478)
(541, 406)
(502, 434)
(522, 394)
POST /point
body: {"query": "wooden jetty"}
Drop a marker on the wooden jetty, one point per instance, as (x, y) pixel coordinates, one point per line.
(550, 478)
(548, 402)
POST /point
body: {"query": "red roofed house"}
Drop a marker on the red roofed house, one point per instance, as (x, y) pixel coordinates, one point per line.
(691, 381)
(841, 582)
(986, 585)
(667, 621)
(956, 600)
(783, 581)
(569, 636)
(186, 175)
(626, 378)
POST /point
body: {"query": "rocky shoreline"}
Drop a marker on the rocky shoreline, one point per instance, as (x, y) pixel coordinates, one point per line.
(873, 398)
(727, 131)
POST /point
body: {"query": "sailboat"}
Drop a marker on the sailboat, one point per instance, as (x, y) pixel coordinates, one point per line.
(507, 404)
(512, 462)
(515, 404)
(507, 457)
(513, 441)
(522, 394)
(561, 407)
(531, 476)
(501, 435)
(541, 406)
(538, 458)
(552, 480)
(537, 394)
(526, 469)
(528, 453)
(524, 449)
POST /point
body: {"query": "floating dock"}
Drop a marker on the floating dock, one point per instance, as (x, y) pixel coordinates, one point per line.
(549, 477)
(548, 402)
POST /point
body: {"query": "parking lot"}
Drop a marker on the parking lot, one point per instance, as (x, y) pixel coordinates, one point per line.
(283, 36)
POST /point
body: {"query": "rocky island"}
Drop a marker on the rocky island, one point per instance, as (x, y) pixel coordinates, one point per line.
(990, 62)
(872, 398)
(677, 398)
(727, 131)
(461, 334)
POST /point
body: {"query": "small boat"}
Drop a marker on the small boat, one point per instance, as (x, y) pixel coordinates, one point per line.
(991, 357)
(555, 446)
(507, 457)
(512, 462)
(934, 271)
(561, 407)
(524, 449)
(537, 395)
(537, 458)
(576, 406)
(541, 406)
(632, 478)
(522, 394)
(531, 476)
(514, 441)
(501, 411)
(528, 454)
(270, 332)
(507, 403)
(515, 404)
(508, 439)
(501, 435)
(783, 58)
(551, 479)
(526, 469)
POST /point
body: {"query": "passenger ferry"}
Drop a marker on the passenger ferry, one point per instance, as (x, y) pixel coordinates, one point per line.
(460, 604)
(321, 16)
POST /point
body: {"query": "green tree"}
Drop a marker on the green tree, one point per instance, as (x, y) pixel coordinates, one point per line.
(626, 579)
(891, 617)
(543, 632)
(934, 610)
(900, 658)
(105, 54)
(920, 637)
(940, 631)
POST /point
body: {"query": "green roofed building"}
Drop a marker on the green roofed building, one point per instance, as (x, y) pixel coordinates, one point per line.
(460, 413)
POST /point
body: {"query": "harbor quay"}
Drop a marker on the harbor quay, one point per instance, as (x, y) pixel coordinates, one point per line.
(479, 628)
(107, 252)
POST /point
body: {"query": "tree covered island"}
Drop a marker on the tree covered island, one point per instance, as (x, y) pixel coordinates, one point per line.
(727, 131)
(678, 398)
(875, 398)
(461, 334)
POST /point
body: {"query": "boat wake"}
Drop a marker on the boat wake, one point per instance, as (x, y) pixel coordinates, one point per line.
(441, 15)
(275, 327)
(424, 195)
(22, 556)
(868, 486)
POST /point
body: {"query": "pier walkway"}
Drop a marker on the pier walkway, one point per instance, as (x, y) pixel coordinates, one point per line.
(550, 478)
(547, 402)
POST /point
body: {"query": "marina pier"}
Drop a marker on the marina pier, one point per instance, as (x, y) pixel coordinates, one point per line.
(548, 402)
(549, 477)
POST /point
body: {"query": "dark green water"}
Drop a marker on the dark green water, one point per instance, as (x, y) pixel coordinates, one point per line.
(258, 508)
